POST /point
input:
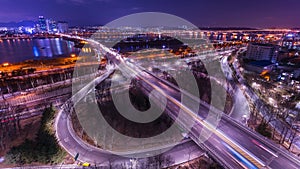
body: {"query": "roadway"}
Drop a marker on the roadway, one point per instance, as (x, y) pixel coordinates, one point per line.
(99, 157)
(260, 104)
(241, 109)
(213, 143)
(233, 145)
(237, 146)
(55, 93)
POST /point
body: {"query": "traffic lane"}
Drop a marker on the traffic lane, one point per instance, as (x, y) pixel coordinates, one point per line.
(157, 84)
(245, 140)
(113, 59)
(198, 129)
(223, 145)
(192, 104)
(35, 108)
(184, 152)
(73, 147)
(240, 139)
(248, 143)
(237, 129)
(166, 89)
(216, 145)
(283, 163)
(213, 143)
(187, 101)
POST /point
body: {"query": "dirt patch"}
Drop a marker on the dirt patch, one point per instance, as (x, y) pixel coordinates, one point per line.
(27, 130)
(202, 163)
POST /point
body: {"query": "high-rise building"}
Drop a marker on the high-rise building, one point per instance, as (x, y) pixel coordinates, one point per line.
(51, 25)
(46, 25)
(42, 24)
(258, 51)
(62, 27)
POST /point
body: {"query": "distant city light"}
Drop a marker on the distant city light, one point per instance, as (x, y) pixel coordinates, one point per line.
(29, 30)
(5, 64)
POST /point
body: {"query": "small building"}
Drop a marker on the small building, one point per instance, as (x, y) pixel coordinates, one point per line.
(262, 52)
(260, 66)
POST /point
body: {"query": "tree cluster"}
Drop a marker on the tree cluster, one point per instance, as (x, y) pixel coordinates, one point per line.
(44, 149)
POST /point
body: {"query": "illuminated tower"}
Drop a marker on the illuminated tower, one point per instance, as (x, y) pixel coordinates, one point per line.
(42, 24)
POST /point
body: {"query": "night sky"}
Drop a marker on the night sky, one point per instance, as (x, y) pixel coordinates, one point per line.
(212, 13)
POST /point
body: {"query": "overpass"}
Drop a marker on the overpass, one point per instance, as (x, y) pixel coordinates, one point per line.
(231, 144)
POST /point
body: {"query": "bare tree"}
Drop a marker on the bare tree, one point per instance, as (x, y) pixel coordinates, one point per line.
(293, 135)
(269, 117)
(159, 161)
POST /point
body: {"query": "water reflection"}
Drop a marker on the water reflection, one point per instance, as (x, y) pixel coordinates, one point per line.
(13, 51)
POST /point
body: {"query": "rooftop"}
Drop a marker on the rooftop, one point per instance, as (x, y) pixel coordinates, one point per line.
(261, 63)
(263, 44)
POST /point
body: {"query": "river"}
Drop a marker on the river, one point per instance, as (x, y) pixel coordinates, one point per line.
(19, 50)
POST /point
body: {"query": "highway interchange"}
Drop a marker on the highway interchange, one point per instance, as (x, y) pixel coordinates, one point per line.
(230, 143)
(235, 145)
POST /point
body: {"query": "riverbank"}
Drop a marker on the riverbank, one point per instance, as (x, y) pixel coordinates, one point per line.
(40, 65)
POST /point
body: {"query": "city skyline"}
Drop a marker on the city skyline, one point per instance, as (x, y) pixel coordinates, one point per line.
(204, 13)
(150, 84)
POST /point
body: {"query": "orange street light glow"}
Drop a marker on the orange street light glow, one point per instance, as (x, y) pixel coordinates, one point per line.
(84, 42)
